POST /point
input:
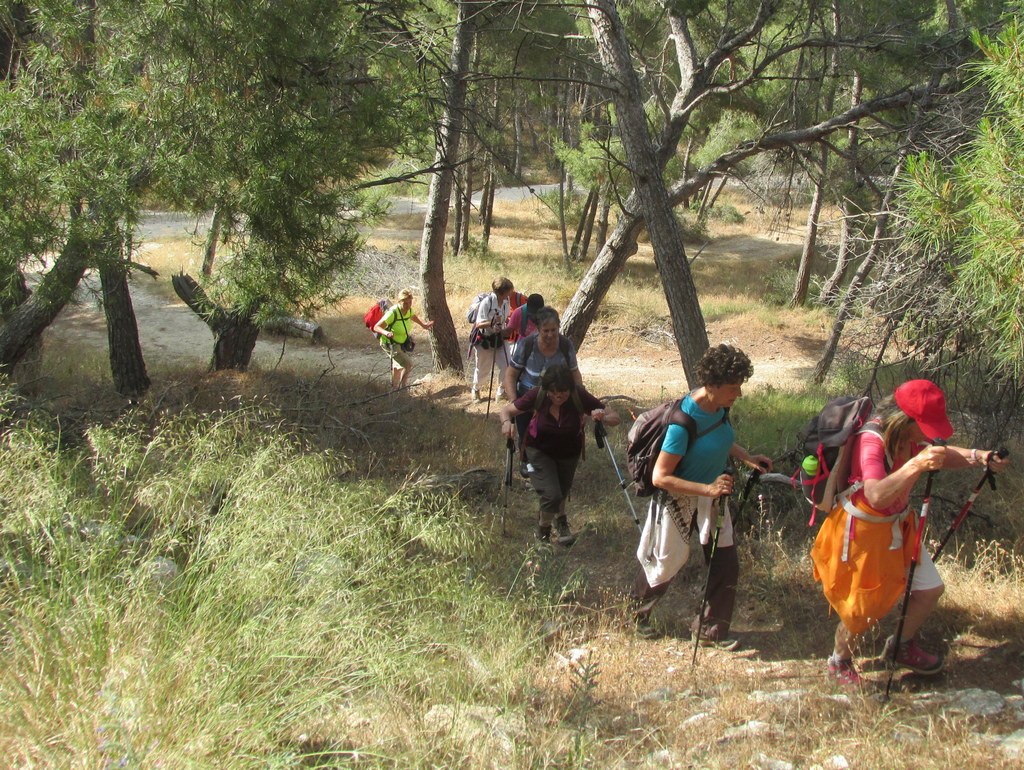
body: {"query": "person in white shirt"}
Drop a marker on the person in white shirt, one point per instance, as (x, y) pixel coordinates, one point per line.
(490, 331)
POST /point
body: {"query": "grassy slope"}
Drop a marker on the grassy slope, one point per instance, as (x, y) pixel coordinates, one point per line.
(328, 610)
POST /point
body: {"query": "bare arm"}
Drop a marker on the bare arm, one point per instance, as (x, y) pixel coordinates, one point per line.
(663, 478)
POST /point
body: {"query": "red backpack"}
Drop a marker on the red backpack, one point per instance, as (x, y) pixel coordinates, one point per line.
(375, 313)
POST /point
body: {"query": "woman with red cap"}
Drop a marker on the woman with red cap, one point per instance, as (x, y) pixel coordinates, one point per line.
(864, 549)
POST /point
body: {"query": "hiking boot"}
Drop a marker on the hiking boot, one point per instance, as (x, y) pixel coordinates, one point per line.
(842, 671)
(728, 644)
(911, 655)
(543, 534)
(565, 536)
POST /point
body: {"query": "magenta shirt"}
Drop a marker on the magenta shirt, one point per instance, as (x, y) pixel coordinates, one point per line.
(557, 438)
(868, 462)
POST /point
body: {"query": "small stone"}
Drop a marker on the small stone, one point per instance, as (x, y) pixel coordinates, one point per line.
(661, 694)
(764, 762)
(695, 719)
(1012, 746)
(982, 703)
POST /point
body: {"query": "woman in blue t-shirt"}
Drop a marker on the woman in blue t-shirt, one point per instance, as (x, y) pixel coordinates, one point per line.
(693, 480)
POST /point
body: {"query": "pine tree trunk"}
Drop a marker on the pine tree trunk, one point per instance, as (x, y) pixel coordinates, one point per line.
(212, 239)
(127, 366)
(582, 238)
(236, 339)
(853, 291)
(445, 346)
(666, 236)
(803, 273)
(25, 325)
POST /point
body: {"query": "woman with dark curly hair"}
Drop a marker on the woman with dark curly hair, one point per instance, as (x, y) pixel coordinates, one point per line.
(691, 480)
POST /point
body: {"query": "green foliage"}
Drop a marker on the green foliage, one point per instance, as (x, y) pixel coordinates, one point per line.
(971, 212)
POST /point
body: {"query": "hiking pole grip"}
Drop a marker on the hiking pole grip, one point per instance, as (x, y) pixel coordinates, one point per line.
(599, 434)
(914, 559)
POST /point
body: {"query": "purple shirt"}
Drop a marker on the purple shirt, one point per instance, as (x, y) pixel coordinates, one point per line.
(557, 438)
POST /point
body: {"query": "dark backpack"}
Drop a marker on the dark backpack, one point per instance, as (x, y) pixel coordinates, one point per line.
(475, 305)
(645, 437)
(827, 441)
(529, 343)
(375, 313)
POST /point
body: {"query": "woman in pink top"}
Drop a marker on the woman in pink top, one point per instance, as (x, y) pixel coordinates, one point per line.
(904, 441)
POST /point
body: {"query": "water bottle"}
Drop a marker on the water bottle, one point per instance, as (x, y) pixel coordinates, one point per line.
(810, 465)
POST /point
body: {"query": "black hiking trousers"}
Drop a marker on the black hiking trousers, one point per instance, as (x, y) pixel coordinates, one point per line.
(723, 576)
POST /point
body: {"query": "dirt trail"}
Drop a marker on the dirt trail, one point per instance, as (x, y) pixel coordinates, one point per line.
(172, 335)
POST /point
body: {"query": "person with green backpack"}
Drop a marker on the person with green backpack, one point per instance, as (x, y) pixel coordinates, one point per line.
(554, 442)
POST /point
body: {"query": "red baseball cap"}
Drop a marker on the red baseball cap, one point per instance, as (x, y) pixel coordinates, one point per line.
(924, 403)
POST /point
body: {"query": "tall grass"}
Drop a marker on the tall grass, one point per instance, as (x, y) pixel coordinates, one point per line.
(208, 593)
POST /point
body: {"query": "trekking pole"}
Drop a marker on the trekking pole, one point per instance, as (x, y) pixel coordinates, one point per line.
(707, 579)
(600, 435)
(922, 522)
(988, 476)
(752, 479)
(490, 384)
(509, 450)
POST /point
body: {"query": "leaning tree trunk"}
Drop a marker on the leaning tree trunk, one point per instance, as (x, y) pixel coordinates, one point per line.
(235, 331)
(24, 326)
(830, 289)
(127, 366)
(581, 240)
(445, 349)
(853, 291)
(212, 239)
(662, 225)
(621, 244)
(803, 273)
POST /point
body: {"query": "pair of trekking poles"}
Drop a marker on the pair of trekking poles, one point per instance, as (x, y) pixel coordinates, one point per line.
(600, 434)
(958, 520)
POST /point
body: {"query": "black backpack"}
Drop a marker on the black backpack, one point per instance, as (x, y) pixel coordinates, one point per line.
(645, 437)
(529, 343)
(827, 441)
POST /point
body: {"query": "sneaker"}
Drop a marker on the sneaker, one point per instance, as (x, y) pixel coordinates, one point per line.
(565, 536)
(912, 656)
(842, 671)
(728, 644)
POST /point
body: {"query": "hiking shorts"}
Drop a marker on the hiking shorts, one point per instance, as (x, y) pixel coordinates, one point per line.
(926, 576)
(399, 358)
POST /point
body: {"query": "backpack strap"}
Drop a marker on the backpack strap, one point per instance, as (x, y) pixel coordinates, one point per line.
(523, 319)
(687, 421)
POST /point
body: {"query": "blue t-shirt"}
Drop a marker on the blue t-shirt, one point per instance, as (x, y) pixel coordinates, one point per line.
(707, 462)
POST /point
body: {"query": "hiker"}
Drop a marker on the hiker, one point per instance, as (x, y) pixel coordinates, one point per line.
(558, 407)
(863, 563)
(546, 347)
(522, 321)
(488, 337)
(691, 481)
(393, 331)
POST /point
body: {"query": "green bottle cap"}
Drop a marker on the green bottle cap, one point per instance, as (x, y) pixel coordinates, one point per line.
(810, 465)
